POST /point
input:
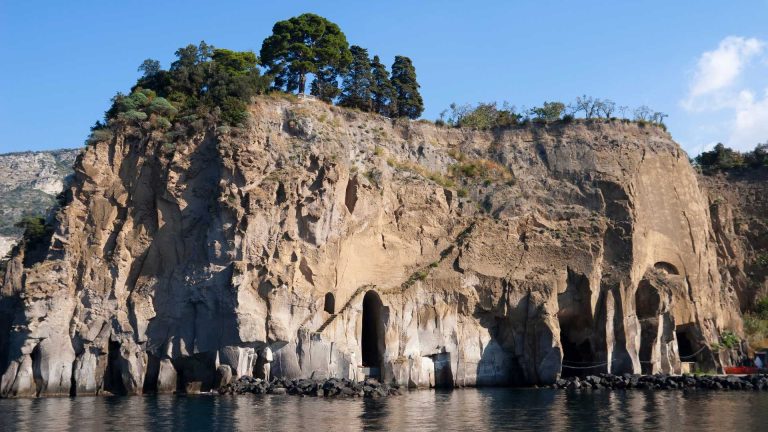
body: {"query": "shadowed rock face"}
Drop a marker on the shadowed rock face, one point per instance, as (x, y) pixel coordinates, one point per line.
(171, 261)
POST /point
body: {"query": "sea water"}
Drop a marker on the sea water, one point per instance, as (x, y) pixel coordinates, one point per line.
(425, 410)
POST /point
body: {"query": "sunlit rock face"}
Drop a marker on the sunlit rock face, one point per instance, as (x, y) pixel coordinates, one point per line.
(324, 242)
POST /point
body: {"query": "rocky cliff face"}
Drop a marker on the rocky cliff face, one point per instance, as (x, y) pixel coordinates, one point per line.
(29, 183)
(323, 241)
(739, 209)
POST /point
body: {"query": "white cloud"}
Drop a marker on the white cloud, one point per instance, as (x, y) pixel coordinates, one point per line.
(715, 88)
(750, 125)
(718, 69)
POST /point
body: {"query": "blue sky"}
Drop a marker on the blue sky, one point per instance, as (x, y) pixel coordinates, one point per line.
(705, 63)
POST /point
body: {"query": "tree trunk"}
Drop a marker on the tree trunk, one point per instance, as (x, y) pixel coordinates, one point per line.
(302, 83)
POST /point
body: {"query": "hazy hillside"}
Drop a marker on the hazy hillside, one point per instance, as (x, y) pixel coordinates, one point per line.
(29, 183)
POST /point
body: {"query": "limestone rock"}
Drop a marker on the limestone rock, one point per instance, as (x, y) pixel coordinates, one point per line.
(346, 244)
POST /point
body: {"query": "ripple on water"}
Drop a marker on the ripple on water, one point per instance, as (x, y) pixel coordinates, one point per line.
(467, 410)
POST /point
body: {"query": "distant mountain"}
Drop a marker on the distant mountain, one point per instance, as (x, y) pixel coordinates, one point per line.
(29, 183)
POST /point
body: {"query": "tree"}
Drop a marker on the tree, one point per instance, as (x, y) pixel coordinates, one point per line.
(549, 111)
(235, 63)
(658, 117)
(643, 113)
(189, 72)
(758, 158)
(721, 157)
(587, 104)
(306, 44)
(356, 86)
(326, 85)
(409, 101)
(383, 95)
(149, 68)
(605, 107)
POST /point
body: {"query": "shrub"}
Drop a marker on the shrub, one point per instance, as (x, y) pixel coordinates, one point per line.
(483, 116)
(162, 107)
(36, 231)
(132, 116)
(549, 111)
(162, 123)
(729, 339)
(761, 308)
(34, 227)
(480, 169)
(99, 135)
(762, 260)
(756, 329)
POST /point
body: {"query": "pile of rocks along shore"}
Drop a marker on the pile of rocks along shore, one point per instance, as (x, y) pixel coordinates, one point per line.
(665, 382)
(332, 387)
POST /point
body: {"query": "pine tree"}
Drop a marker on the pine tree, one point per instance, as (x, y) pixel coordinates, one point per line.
(302, 45)
(383, 94)
(356, 86)
(325, 85)
(409, 101)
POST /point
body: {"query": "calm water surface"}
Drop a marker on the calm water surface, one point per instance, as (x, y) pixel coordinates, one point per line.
(466, 410)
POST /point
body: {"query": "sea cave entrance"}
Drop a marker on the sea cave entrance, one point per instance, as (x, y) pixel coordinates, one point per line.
(648, 310)
(372, 339)
(687, 346)
(576, 329)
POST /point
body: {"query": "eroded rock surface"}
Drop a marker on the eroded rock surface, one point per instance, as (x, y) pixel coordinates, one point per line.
(739, 207)
(325, 243)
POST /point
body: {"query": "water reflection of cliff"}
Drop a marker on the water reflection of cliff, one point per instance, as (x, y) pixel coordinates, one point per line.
(466, 410)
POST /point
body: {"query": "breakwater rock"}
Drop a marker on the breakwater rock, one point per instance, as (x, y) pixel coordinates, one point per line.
(665, 382)
(333, 387)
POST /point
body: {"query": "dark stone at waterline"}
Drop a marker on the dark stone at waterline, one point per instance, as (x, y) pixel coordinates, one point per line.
(332, 387)
(756, 382)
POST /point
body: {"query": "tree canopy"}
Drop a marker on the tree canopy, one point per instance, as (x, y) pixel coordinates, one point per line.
(549, 111)
(722, 158)
(219, 83)
(302, 45)
(409, 101)
(202, 79)
(383, 95)
(358, 81)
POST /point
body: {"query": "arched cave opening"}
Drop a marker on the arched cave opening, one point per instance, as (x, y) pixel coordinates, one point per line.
(113, 378)
(686, 343)
(330, 303)
(37, 374)
(648, 309)
(576, 329)
(372, 340)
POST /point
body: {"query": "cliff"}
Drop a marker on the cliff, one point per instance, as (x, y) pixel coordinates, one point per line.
(739, 208)
(348, 244)
(29, 183)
